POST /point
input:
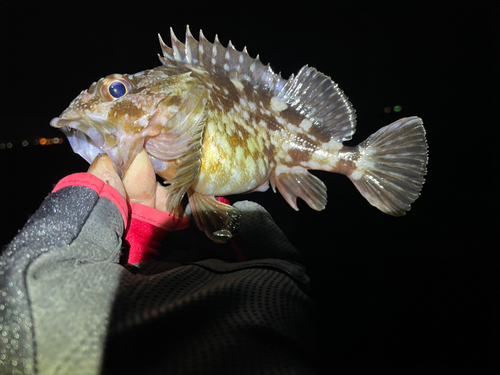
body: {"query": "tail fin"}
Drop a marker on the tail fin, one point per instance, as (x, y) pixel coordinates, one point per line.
(391, 166)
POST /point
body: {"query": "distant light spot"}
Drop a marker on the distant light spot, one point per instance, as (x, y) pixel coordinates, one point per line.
(397, 108)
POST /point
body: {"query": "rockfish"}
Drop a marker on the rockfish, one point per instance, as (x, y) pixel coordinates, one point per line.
(215, 121)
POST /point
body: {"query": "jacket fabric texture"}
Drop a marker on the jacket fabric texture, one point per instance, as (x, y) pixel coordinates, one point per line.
(71, 304)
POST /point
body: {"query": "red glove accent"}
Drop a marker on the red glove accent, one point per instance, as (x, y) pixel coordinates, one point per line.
(99, 186)
(148, 227)
(223, 200)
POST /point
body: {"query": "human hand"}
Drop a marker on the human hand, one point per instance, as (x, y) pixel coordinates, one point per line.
(258, 235)
(148, 226)
(138, 184)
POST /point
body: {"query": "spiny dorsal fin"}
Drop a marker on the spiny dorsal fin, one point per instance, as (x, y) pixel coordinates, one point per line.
(317, 97)
(192, 52)
(310, 93)
(217, 59)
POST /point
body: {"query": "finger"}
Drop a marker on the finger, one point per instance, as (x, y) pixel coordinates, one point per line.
(102, 167)
(140, 181)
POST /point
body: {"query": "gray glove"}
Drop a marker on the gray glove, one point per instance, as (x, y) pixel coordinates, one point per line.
(68, 307)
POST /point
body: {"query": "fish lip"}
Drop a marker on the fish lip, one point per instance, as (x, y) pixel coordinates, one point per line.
(84, 139)
(90, 135)
(83, 125)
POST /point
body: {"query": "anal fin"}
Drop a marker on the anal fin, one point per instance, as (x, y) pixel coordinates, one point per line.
(218, 220)
(298, 182)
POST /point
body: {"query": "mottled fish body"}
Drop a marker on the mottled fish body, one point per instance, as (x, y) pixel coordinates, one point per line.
(215, 121)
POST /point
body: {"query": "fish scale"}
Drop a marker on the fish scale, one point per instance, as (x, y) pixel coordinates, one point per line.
(216, 121)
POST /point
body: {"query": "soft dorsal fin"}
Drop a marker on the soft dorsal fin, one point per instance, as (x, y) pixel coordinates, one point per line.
(217, 59)
(317, 97)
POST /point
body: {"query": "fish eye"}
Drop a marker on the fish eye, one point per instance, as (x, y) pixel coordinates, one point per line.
(114, 87)
(117, 89)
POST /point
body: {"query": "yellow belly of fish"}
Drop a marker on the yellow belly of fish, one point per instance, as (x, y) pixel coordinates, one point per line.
(231, 165)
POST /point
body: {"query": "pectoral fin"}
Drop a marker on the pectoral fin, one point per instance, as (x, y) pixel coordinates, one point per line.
(298, 182)
(180, 140)
(219, 221)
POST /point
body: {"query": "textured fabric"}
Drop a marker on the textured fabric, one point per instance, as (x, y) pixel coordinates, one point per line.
(213, 317)
(55, 226)
(68, 307)
(71, 292)
(148, 227)
(144, 241)
(160, 219)
(100, 187)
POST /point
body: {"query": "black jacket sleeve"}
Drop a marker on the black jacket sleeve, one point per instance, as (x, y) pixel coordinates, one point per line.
(68, 307)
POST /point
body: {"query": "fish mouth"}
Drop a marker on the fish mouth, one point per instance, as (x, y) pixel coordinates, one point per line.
(87, 137)
(90, 135)
(85, 143)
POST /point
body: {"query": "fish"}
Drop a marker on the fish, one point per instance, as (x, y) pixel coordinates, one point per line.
(216, 122)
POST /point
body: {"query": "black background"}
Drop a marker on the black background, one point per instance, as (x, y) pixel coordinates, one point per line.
(416, 294)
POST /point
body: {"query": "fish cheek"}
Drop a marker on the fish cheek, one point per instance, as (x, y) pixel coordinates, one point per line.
(126, 113)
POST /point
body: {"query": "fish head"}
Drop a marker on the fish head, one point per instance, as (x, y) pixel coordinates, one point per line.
(117, 114)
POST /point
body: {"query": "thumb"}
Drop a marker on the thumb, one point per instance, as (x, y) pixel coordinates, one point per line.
(102, 167)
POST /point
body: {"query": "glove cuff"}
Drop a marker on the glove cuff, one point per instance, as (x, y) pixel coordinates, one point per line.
(99, 186)
(148, 227)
